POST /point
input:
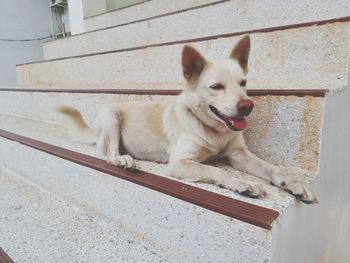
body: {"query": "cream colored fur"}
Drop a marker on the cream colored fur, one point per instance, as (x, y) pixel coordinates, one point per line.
(184, 132)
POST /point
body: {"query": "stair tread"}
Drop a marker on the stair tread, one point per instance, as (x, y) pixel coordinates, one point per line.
(54, 133)
(37, 226)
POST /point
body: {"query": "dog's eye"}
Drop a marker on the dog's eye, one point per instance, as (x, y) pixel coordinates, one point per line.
(243, 83)
(217, 86)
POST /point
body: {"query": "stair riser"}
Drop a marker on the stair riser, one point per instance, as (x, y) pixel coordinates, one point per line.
(227, 17)
(282, 130)
(193, 234)
(296, 58)
(141, 11)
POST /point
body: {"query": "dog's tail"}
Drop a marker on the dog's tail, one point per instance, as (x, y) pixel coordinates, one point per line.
(78, 129)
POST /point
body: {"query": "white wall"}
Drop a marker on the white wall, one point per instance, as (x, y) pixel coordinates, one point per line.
(116, 4)
(93, 7)
(21, 19)
(76, 16)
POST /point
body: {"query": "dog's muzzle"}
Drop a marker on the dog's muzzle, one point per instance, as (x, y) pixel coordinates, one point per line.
(233, 123)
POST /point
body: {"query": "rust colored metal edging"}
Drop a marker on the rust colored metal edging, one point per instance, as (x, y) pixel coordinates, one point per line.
(288, 92)
(252, 92)
(4, 258)
(249, 213)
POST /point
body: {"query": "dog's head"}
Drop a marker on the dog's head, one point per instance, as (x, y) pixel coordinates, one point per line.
(219, 87)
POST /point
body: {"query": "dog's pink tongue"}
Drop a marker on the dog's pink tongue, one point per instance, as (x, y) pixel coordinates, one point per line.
(238, 123)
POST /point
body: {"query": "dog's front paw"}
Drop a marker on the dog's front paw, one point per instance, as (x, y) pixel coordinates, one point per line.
(125, 161)
(249, 190)
(300, 191)
(297, 188)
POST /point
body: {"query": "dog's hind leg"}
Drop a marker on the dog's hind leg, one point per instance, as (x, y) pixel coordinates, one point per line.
(107, 128)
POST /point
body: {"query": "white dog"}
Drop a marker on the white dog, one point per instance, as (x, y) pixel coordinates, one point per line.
(204, 123)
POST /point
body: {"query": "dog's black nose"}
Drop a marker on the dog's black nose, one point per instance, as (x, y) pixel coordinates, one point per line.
(245, 107)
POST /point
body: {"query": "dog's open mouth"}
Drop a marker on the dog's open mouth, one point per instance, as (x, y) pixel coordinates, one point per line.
(233, 123)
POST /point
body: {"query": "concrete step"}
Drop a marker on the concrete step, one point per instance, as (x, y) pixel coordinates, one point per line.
(308, 57)
(194, 234)
(38, 226)
(282, 129)
(181, 231)
(214, 20)
(141, 11)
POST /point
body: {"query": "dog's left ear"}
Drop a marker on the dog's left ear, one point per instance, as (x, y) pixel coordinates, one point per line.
(241, 52)
(192, 63)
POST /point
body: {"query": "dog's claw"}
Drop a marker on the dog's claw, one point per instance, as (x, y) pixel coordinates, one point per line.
(252, 192)
(309, 202)
(247, 193)
(301, 192)
(253, 195)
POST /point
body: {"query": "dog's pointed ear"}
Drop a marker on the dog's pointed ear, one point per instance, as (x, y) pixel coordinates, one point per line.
(241, 52)
(193, 63)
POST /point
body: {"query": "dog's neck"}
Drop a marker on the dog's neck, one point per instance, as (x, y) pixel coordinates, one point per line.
(207, 122)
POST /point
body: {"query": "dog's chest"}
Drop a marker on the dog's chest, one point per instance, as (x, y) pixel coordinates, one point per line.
(213, 147)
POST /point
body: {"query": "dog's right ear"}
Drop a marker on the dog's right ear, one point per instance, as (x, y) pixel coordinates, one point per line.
(241, 52)
(192, 63)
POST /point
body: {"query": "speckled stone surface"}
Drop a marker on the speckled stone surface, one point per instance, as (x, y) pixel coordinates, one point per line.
(244, 15)
(180, 231)
(228, 17)
(287, 130)
(308, 57)
(37, 226)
